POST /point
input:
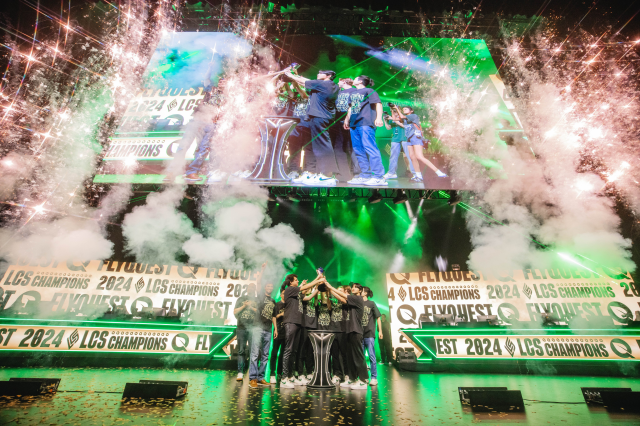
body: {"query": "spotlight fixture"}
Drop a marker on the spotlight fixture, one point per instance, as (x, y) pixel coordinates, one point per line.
(351, 197)
(454, 198)
(376, 197)
(401, 197)
(293, 197)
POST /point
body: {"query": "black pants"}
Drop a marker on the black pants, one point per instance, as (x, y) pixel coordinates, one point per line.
(345, 157)
(337, 347)
(305, 353)
(291, 340)
(278, 345)
(321, 145)
(300, 140)
(357, 366)
(386, 349)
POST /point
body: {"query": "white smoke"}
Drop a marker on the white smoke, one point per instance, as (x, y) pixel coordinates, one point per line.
(534, 197)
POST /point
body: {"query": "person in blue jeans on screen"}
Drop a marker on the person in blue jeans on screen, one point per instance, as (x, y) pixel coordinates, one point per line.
(370, 317)
(398, 140)
(261, 338)
(362, 119)
(245, 312)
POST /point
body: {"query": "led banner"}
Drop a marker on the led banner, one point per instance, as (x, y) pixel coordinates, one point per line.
(90, 339)
(525, 346)
(580, 298)
(89, 289)
(186, 68)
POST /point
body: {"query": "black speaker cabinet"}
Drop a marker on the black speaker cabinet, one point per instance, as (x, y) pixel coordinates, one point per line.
(508, 401)
(623, 401)
(28, 386)
(147, 389)
(463, 392)
(592, 395)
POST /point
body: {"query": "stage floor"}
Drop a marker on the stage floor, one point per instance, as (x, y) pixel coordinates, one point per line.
(215, 398)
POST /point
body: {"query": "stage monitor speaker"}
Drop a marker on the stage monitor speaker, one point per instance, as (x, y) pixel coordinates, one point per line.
(621, 401)
(592, 395)
(463, 392)
(508, 401)
(28, 386)
(147, 389)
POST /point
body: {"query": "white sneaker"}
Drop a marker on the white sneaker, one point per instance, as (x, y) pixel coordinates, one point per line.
(373, 382)
(357, 180)
(336, 380)
(346, 384)
(321, 180)
(440, 174)
(376, 182)
(293, 175)
(240, 376)
(416, 178)
(298, 381)
(286, 383)
(273, 380)
(359, 385)
(309, 378)
(303, 177)
(391, 176)
(216, 176)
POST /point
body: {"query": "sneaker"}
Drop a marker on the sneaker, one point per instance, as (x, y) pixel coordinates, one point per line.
(216, 176)
(390, 364)
(293, 175)
(376, 182)
(263, 382)
(357, 180)
(253, 384)
(373, 382)
(298, 381)
(240, 377)
(336, 380)
(321, 180)
(245, 174)
(390, 176)
(303, 178)
(359, 385)
(273, 380)
(416, 178)
(440, 174)
(286, 383)
(346, 384)
(193, 177)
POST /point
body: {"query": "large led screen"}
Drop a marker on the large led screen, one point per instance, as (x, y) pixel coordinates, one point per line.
(184, 78)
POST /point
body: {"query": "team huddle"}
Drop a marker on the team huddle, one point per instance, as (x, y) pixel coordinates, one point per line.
(346, 311)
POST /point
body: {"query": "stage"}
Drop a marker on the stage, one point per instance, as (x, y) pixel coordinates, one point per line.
(93, 396)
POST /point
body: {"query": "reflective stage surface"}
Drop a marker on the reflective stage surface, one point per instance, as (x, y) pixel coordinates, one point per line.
(93, 396)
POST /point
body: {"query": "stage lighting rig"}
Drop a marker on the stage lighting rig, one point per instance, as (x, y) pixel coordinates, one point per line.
(376, 197)
(454, 198)
(294, 197)
(350, 197)
(401, 197)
